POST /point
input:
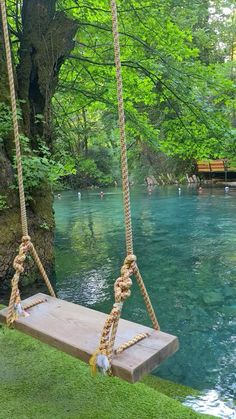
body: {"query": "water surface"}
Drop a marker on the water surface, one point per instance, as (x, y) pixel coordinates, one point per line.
(185, 243)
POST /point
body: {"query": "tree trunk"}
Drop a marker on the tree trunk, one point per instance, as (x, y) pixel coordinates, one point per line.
(45, 42)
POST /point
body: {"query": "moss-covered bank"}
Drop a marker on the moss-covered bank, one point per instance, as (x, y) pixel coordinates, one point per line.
(37, 381)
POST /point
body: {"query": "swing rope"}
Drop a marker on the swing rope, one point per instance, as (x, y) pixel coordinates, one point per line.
(14, 308)
(124, 282)
(102, 358)
(124, 164)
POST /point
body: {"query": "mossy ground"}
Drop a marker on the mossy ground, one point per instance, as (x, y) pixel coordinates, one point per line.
(37, 381)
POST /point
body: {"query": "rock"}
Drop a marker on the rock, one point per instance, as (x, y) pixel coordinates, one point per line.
(212, 298)
(151, 181)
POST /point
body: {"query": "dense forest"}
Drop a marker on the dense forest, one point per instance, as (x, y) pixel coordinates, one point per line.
(178, 62)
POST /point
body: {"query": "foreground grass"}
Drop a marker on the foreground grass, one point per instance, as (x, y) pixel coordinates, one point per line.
(37, 381)
(169, 388)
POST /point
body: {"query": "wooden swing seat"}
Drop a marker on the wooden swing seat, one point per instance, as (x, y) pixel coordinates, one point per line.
(76, 330)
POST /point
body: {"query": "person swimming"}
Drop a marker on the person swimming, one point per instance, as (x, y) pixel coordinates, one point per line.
(101, 194)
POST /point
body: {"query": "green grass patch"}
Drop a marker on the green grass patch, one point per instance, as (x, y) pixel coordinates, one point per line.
(37, 381)
(169, 388)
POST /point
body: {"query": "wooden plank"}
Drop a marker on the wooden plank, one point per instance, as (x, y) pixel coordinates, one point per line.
(203, 166)
(204, 169)
(217, 166)
(76, 330)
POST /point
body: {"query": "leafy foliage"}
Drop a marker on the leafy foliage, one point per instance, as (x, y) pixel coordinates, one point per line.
(39, 167)
(3, 202)
(179, 89)
(5, 121)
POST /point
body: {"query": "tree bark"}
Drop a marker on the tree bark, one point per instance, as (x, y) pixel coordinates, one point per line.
(45, 42)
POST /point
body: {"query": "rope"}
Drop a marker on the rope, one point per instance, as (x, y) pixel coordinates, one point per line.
(124, 163)
(15, 309)
(14, 118)
(131, 342)
(121, 113)
(103, 355)
(34, 303)
(42, 270)
(122, 292)
(146, 298)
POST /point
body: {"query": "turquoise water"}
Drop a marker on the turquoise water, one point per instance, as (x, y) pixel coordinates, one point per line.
(186, 249)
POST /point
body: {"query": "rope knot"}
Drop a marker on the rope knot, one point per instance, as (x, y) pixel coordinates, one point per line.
(122, 288)
(130, 259)
(18, 263)
(26, 239)
(25, 243)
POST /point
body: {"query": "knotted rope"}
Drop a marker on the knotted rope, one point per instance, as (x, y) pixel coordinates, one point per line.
(26, 245)
(124, 163)
(103, 356)
(14, 307)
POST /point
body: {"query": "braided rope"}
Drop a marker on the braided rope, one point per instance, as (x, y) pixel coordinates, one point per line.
(103, 356)
(26, 243)
(34, 303)
(14, 118)
(18, 264)
(124, 163)
(146, 298)
(131, 342)
(42, 270)
(121, 113)
(122, 292)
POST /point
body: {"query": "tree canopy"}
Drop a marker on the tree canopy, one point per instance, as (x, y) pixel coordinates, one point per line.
(179, 84)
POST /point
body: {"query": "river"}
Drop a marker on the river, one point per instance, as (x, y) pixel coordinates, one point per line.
(185, 243)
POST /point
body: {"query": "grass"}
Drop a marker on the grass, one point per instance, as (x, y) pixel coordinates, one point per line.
(37, 381)
(170, 389)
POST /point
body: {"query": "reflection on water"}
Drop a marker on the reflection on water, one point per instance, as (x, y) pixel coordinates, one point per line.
(210, 403)
(185, 245)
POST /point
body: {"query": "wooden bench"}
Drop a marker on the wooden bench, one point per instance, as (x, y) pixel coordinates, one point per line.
(211, 166)
(76, 330)
(203, 167)
(217, 165)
